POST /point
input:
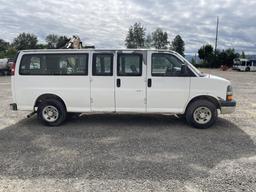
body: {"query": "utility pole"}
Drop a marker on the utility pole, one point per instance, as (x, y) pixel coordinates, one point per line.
(216, 40)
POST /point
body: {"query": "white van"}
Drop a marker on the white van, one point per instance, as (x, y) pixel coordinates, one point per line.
(56, 82)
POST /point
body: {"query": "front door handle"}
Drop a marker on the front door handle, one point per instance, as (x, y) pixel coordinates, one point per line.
(118, 82)
(149, 82)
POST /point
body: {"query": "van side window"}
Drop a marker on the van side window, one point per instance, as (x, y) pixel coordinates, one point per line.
(31, 65)
(129, 65)
(102, 64)
(165, 65)
(54, 64)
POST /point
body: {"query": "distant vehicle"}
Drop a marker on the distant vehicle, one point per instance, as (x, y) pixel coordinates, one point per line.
(9, 64)
(53, 83)
(244, 64)
(4, 68)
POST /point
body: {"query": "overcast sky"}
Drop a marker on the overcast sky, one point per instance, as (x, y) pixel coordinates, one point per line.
(105, 22)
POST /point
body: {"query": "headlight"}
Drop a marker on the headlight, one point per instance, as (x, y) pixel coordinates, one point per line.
(229, 93)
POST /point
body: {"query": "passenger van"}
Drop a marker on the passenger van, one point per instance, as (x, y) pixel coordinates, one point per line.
(53, 83)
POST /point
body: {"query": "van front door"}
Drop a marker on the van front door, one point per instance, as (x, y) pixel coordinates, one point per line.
(102, 82)
(167, 90)
(130, 82)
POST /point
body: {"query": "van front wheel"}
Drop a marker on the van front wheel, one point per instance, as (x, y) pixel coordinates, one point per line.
(201, 114)
(51, 112)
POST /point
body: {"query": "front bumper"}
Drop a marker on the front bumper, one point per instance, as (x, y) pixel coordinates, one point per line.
(227, 107)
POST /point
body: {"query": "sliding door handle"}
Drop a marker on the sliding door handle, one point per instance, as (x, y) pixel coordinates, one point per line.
(149, 82)
(118, 82)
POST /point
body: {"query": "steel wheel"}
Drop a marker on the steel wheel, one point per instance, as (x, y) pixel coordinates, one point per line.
(50, 113)
(202, 115)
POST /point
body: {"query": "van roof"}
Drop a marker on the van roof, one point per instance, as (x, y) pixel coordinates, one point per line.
(81, 50)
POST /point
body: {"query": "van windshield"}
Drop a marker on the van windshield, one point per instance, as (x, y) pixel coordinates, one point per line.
(197, 71)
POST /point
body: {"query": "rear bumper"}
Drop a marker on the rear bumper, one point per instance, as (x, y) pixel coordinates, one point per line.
(13, 107)
(227, 107)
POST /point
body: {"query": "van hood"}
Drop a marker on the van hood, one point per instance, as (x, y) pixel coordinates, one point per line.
(217, 78)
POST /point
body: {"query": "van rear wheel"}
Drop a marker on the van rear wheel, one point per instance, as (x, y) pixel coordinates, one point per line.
(51, 112)
(201, 114)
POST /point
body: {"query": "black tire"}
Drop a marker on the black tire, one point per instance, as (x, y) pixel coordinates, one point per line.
(195, 107)
(247, 69)
(55, 104)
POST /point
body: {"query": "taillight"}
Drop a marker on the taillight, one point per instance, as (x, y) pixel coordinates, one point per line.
(13, 69)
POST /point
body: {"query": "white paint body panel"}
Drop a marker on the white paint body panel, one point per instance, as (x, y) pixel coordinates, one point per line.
(74, 91)
(100, 94)
(169, 94)
(209, 85)
(130, 97)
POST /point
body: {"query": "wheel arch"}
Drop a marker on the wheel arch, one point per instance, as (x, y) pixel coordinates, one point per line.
(210, 98)
(48, 96)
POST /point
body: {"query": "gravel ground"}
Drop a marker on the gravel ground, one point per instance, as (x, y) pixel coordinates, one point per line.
(131, 153)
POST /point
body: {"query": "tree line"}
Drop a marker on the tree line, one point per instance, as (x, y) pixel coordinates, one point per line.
(215, 58)
(138, 38)
(30, 41)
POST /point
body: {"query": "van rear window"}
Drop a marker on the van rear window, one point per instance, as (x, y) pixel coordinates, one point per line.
(54, 64)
